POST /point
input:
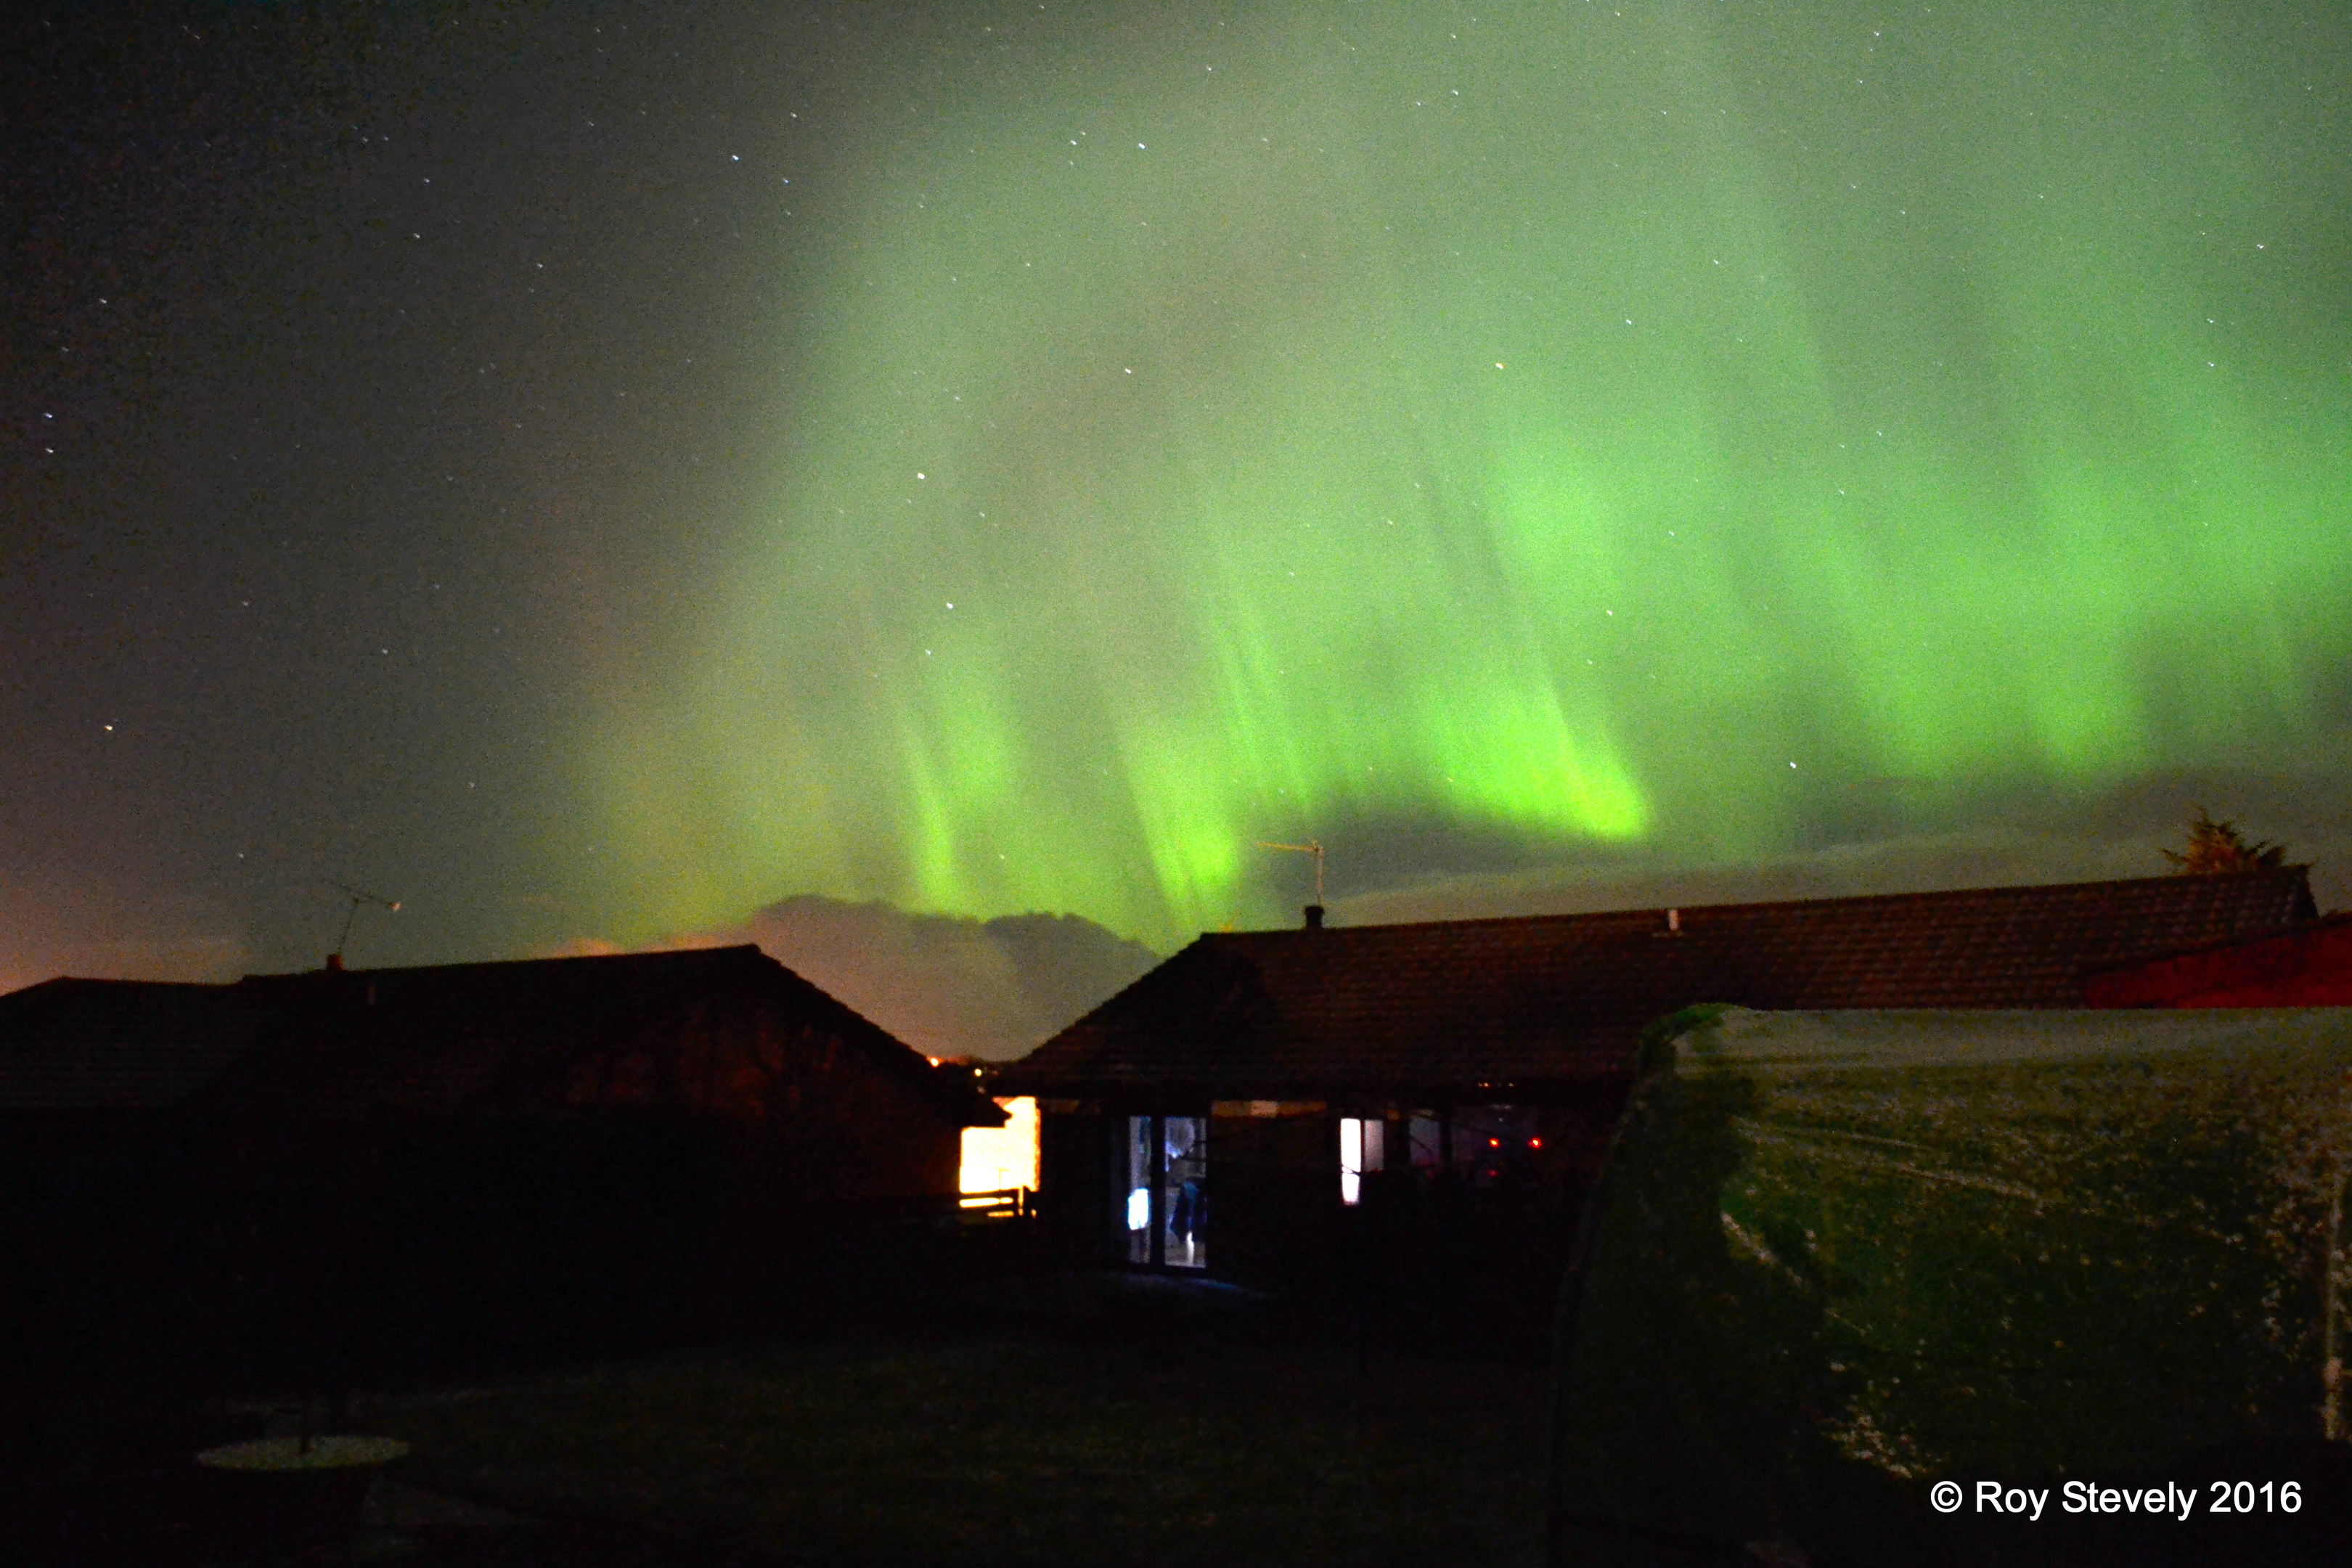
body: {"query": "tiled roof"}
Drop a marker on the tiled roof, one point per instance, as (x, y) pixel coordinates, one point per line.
(447, 1040)
(1455, 1004)
(116, 1045)
(500, 1038)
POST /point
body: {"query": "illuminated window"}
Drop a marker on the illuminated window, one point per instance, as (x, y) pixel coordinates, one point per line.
(1360, 1151)
(1000, 1158)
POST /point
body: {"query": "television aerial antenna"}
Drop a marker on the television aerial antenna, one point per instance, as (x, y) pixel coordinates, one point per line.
(358, 896)
(1310, 847)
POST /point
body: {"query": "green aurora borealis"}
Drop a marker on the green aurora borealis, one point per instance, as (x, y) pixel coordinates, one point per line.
(1528, 426)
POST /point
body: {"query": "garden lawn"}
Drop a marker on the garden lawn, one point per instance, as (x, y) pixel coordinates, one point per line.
(1014, 1448)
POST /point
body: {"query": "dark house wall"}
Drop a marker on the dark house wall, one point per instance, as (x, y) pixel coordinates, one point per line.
(1457, 1261)
(1075, 1153)
(447, 1169)
(1273, 1190)
(112, 1229)
(1274, 1197)
(2311, 968)
(728, 1166)
(488, 1243)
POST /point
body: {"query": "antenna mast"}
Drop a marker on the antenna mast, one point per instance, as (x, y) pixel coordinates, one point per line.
(358, 896)
(1310, 847)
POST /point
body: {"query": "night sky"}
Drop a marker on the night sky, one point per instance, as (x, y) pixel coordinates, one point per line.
(592, 471)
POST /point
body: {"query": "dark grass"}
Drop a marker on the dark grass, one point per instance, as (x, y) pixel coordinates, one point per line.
(1151, 1429)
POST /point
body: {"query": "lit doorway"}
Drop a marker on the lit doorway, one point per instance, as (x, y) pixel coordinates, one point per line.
(1165, 1197)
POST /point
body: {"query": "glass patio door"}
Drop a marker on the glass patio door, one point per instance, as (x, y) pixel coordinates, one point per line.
(1165, 1197)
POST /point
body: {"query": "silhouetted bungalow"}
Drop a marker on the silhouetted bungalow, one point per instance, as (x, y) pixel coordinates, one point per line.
(1438, 1091)
(452, 1162)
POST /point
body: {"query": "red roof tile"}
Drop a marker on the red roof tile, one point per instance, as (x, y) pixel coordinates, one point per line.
(1451, 1005)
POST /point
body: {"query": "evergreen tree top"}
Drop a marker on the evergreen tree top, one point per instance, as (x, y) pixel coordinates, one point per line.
(2217, 848)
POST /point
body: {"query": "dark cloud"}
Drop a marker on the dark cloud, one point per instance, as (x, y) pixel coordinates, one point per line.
(947, 986)
(2041, 837)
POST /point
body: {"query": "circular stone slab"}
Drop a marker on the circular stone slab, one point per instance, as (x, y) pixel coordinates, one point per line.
(328, 1453)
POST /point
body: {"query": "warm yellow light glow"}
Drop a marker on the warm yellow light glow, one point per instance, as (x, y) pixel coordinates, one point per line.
(997, 1159)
